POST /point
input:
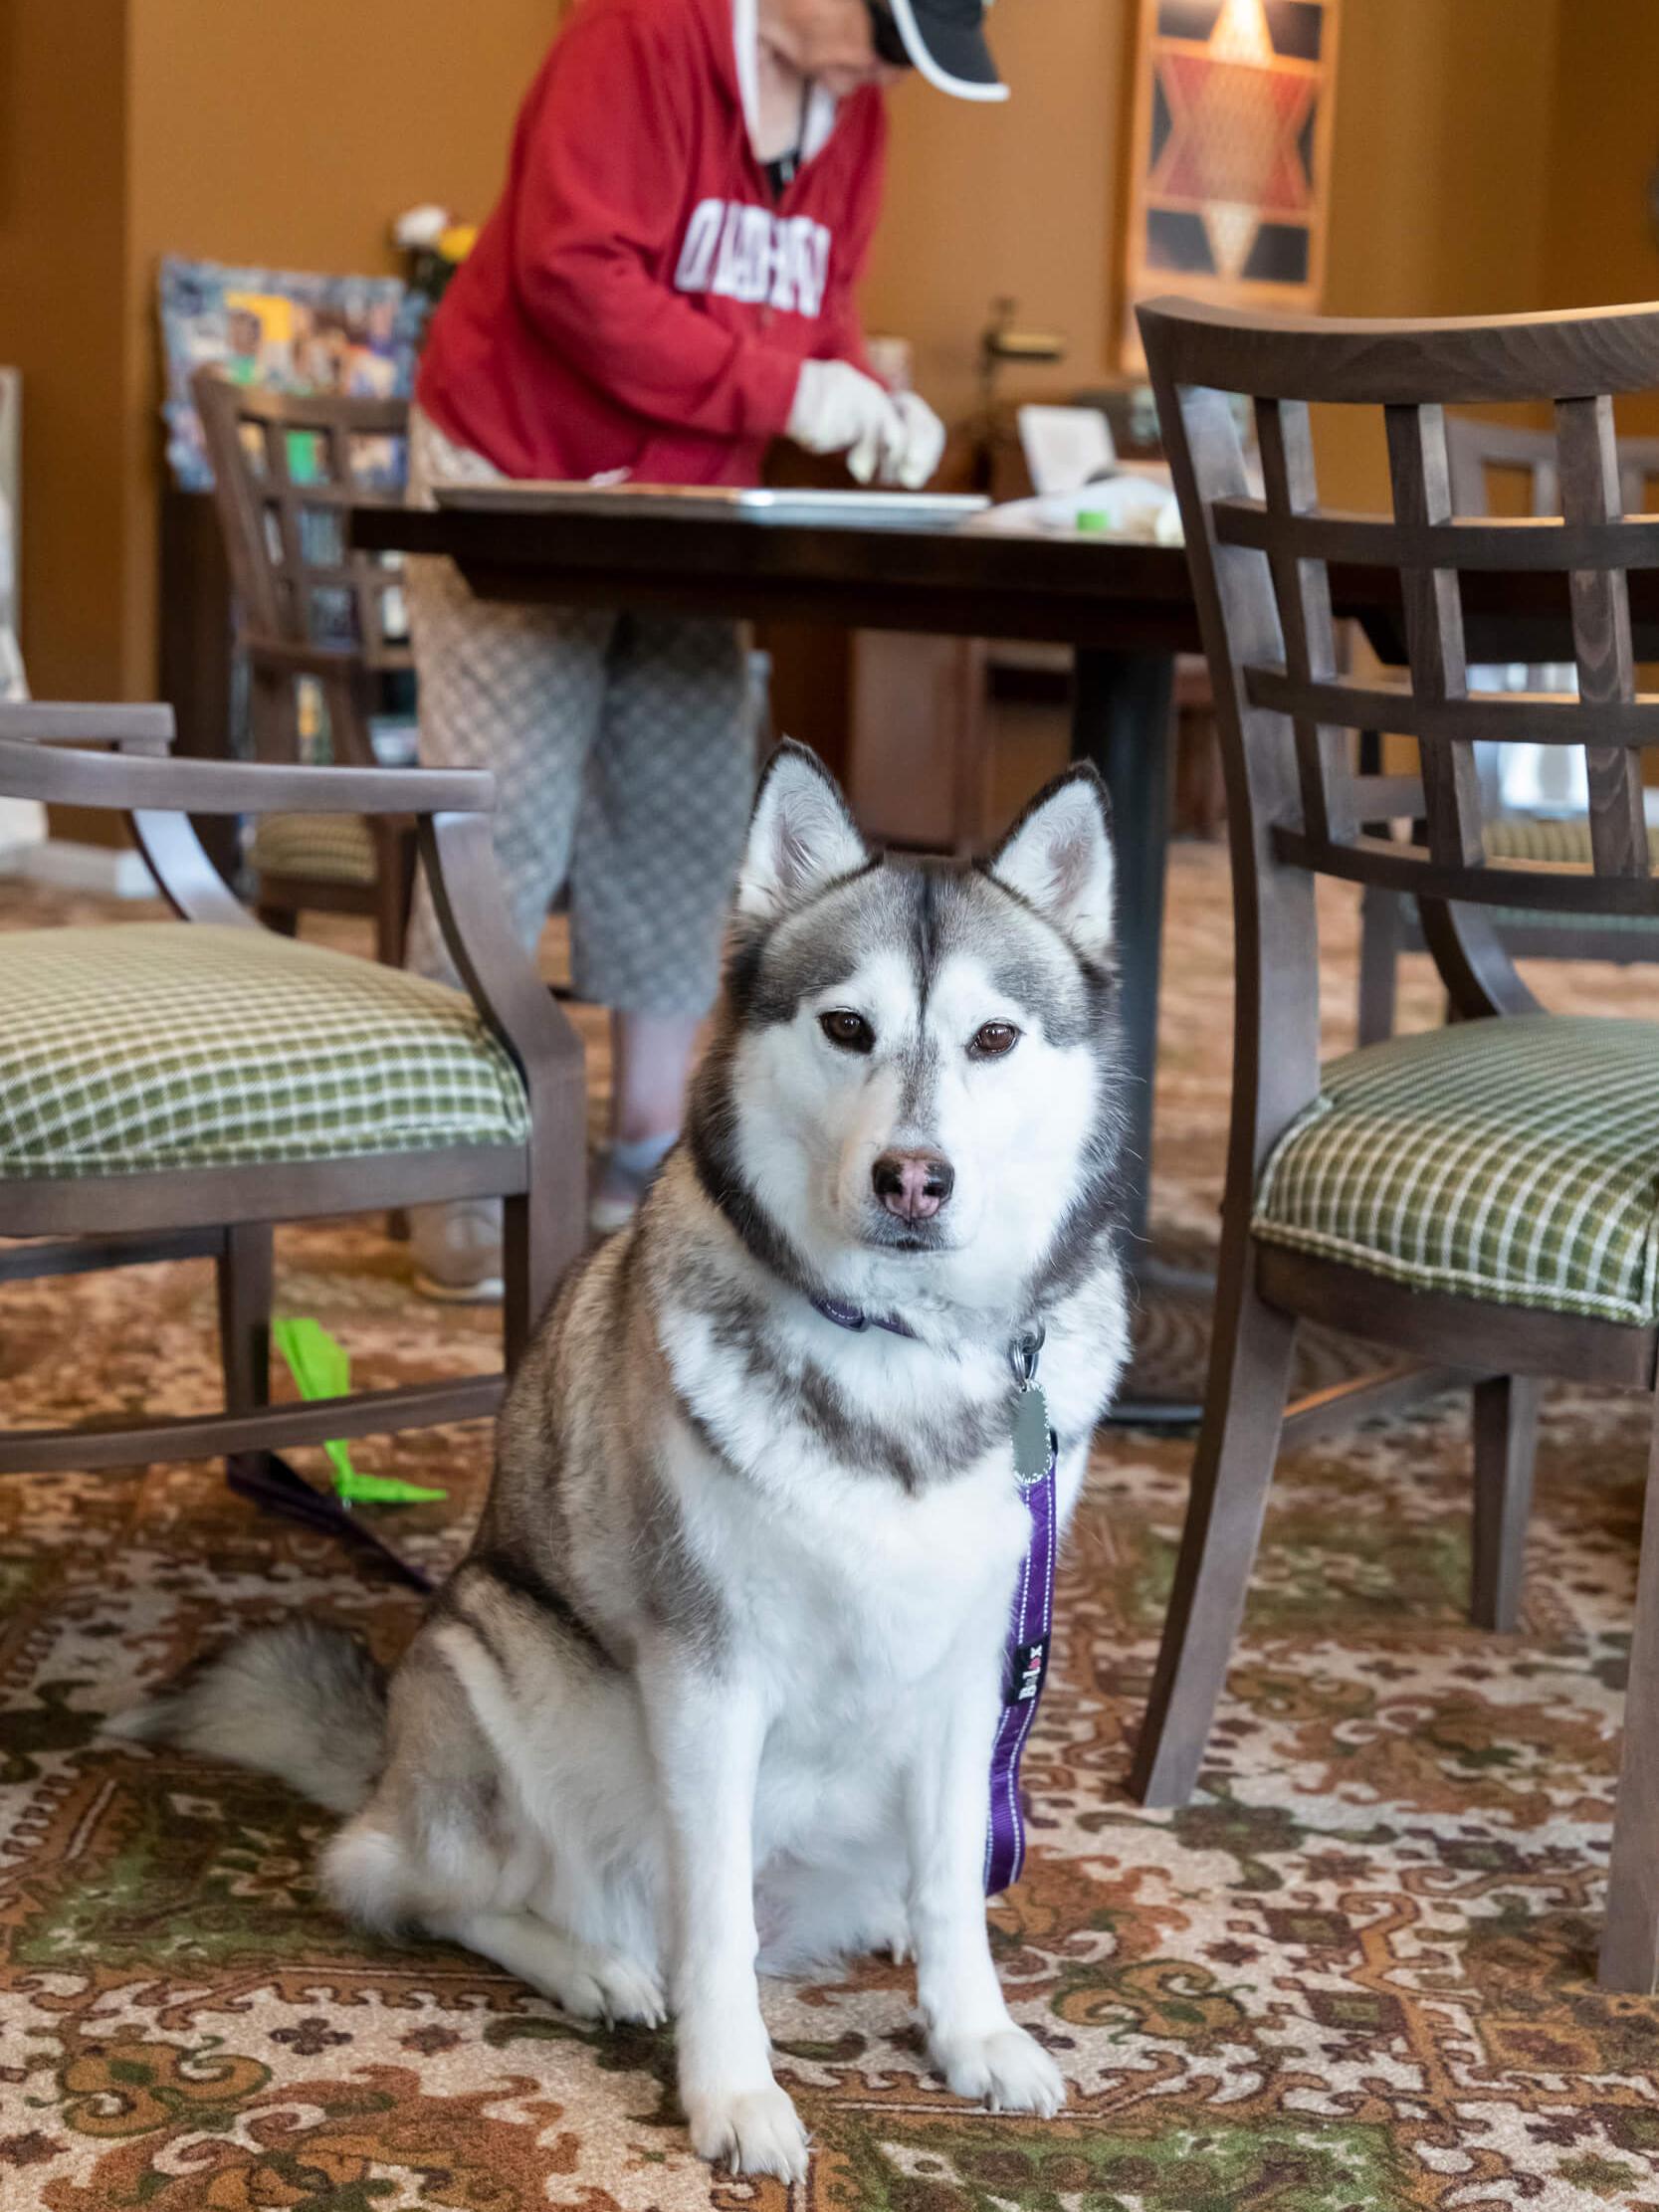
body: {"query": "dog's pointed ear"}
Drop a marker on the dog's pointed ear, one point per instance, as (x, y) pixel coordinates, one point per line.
(1058, 857)
(802, 838)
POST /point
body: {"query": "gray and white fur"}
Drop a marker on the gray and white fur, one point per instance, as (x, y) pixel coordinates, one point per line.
(714, 1688)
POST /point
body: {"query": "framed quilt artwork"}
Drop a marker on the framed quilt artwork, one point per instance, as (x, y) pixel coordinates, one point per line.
(293, 332)
(1230, 154)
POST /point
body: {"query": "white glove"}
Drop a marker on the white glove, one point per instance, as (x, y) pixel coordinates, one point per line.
(924, 442)
(838, 409)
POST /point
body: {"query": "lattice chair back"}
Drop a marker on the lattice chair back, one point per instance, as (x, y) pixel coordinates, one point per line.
(1260, 569)
(287, 469)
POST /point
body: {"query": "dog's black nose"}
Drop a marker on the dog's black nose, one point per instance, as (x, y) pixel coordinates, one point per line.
(913, 1185)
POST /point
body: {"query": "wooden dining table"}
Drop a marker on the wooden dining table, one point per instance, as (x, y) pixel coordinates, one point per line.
(1123, 606)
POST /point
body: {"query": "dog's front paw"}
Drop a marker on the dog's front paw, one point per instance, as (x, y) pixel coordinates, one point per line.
(1007, 2070)
(894, 1940)
(629, 1993)
(752, 2131)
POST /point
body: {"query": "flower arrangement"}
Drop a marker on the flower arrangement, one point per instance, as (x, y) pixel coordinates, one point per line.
(433, 245)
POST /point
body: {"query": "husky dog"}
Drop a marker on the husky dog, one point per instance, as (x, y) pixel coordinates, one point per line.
(716, 1686)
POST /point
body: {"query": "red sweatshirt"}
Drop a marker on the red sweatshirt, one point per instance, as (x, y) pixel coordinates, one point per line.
(638, 300)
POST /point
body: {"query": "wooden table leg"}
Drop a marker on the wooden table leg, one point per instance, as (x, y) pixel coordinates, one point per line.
(1120, 708)
(1122, 703)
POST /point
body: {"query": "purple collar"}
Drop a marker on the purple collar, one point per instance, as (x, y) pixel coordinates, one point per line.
(855, 1318)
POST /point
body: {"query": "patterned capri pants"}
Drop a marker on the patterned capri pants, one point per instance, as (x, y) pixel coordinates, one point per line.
(623, 751)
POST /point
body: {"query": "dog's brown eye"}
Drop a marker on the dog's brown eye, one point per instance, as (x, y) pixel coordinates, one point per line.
(850, 1031)
(993, 1039)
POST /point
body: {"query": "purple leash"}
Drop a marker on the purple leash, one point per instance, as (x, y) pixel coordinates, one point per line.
(1030, 1624)
(1031, 1619)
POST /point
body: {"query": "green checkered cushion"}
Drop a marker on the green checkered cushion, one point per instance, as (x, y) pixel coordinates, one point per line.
(1564, 838)
(333, 848)
(1516, 1160)
(166, 1044)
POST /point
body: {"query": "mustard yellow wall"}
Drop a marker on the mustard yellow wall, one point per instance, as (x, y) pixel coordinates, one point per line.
(1440, 181)
(1600, 242)
(62, 158)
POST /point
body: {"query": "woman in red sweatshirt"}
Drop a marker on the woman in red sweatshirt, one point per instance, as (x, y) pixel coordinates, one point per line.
(666, 285)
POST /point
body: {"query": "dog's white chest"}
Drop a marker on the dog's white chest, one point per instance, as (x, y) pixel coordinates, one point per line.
(852, 1599)
(862, 1629)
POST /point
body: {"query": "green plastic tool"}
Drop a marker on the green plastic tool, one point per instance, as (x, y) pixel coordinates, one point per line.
(321, 1368)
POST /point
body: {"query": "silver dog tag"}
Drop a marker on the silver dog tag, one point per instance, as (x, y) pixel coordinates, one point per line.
(1031, 1433)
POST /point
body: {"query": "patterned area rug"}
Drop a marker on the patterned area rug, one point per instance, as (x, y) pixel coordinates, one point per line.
(1356, 1972)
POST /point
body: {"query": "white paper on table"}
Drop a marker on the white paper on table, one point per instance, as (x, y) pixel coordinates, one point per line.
(1138, 503)
(1064, 446)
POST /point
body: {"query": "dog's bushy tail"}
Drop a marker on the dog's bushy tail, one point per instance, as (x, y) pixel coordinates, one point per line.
(305, 1701)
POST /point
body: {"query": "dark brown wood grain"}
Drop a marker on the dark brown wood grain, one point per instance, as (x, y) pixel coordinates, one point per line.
(1630, 1944)
(1506, 1445)
(1450, 360)
(951, 582)
(1302, 588)
(231, 786)
(1589, 488)
(1268, 691)
(1487, 1338)
(1386, 1390)
(1420, 478)
(204, 1436)
(1547, 886)
(1516, 718)
(1503, 543)
(130, 729)
(947, 582)
(35, 1256)
(309, 1190)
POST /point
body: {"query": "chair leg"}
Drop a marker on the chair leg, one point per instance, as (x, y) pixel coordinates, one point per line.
(397, 859)
(1381, 931)
(546, 1228)
(245, 1290)
(1250, 1362)
(283, 921)
(1505, 1444)
(1630, 1940)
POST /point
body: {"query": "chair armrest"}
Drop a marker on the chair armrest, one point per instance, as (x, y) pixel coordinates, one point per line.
(142, 730)
(137, 786)
(282, 658)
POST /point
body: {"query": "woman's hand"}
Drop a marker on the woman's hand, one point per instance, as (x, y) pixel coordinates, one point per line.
(838, 409)
(923, 444)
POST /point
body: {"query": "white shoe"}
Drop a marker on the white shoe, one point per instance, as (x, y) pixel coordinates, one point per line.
(458, 1252)
(606, 1214)
(623, 1182)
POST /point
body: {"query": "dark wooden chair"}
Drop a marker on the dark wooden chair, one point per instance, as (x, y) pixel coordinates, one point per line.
(311, 611)
(1484, 458)
(177, 1087)
(1422, 1193)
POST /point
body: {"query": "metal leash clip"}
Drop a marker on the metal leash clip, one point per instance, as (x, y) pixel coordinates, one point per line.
(1023, 1354)
(1033, 1439)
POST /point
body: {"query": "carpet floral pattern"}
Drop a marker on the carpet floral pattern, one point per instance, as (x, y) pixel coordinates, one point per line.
(1355, 1973)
